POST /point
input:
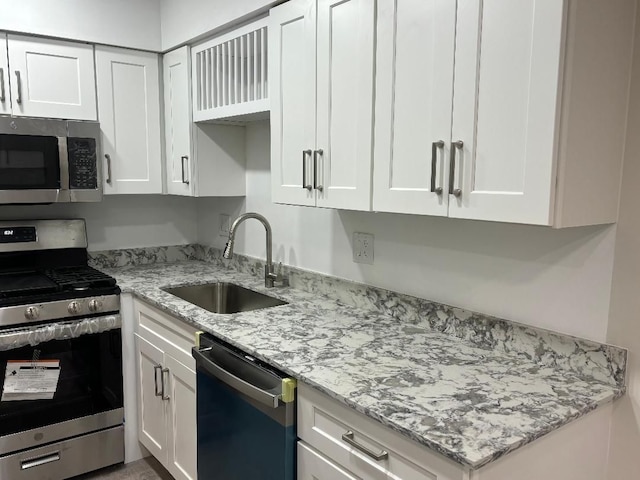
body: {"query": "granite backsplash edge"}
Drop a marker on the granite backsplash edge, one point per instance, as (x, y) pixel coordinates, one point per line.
(603, 362)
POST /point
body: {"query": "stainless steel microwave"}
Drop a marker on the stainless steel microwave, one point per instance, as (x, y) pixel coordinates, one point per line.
(49, 161)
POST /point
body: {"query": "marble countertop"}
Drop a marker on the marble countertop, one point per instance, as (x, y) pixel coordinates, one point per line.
(472, 405)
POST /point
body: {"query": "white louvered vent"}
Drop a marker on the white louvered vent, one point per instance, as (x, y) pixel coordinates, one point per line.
(230, 77)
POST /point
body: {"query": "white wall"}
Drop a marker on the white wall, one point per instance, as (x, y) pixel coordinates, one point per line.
(184, 20)
(624, 320)
(123, 221)
(126, 23)
(556, 279)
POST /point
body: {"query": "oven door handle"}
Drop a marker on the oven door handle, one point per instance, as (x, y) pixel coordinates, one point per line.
(239, 384)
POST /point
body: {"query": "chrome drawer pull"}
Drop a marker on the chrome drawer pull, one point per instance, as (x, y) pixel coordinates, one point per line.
(108, 157)
(316, 185)
(185, 180)
(348, 438)
(305, 185)
(163, 371)
(157, 368)
(38, 461)
(456, 192)
(19, 87)
(2, 97)
(435, 146)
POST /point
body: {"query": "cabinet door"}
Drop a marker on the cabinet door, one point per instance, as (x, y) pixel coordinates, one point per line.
(177, 121)
(152, 422)
(182, 420)
(53, 79)
(313, 466)
(414, 98)
(345, 103)
(505, 109)
(5, 95)
(129, 106)
(292, 89)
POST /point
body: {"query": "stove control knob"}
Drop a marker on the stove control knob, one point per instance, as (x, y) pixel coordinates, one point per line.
(32, 313)
(95, 305)
(74, 308)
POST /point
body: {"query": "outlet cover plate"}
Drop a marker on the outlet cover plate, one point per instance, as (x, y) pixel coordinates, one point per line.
(363, 248)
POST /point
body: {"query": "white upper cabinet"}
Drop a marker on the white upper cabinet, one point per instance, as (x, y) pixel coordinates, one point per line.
(177, 122)
(129, 106)
(201, 160)
(5, 95)
(414, 85)
(51, 78)
(321, 58)
(292, 66)
(503, 110)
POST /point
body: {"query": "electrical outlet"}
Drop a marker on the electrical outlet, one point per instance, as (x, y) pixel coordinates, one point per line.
(363, 248)
(224, 225)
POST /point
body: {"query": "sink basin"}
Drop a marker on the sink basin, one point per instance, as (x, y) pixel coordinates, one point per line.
(222, 297)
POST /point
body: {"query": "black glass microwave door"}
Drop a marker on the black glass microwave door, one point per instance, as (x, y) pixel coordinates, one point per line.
(90, 381)
(29, 162)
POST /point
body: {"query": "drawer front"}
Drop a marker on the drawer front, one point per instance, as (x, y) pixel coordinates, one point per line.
(67, 458)
(315, 466)
(364, 447)
(171, 335)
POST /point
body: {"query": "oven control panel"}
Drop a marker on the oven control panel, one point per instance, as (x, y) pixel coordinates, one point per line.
(18, 234)
(83, 163)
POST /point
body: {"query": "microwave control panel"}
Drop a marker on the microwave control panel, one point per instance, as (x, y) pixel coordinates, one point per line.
(83, 163)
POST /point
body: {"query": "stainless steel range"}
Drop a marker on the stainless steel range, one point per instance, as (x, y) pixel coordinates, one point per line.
(61, 408)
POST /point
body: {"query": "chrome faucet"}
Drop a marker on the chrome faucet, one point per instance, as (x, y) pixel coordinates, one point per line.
(270, 277)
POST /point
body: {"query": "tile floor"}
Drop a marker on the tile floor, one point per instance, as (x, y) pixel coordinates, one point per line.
(145, 469)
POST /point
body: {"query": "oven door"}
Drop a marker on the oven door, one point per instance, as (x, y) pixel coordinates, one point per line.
(88, 396)
(30, 168)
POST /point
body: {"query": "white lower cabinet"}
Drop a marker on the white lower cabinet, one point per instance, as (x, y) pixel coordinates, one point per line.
(166, 390)
(337, 443)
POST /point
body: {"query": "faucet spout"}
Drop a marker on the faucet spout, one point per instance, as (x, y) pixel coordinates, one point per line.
(269, 274)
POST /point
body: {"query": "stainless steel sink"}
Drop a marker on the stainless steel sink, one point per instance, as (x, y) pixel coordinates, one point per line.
(222, 297)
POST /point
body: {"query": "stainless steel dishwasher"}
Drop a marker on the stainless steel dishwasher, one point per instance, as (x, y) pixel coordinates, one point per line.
(246, 416)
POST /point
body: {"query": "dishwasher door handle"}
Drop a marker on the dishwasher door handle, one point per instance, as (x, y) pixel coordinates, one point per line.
(242, 386)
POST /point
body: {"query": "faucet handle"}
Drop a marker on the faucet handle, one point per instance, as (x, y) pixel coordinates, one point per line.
(280, 278)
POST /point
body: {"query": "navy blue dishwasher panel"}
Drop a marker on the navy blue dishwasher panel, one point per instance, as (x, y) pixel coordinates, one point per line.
(238, 438)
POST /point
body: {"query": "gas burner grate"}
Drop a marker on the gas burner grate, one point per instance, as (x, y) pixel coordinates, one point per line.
(80, 278)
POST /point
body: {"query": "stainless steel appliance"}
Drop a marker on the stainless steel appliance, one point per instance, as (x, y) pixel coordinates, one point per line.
(246, 415)
(49, 161)
(55, 308)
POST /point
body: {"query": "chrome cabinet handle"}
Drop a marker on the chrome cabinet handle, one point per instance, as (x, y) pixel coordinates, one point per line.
(108, 157)
(164, 370)
(19, 85)
(155, 379)
(456, 192)
(317, 186)
(182, 159)
(348, 438)
(434, 163)
(2, 97)
(305, 185)
(39, 461)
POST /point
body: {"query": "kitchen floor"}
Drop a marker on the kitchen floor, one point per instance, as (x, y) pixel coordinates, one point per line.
(145, 469)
